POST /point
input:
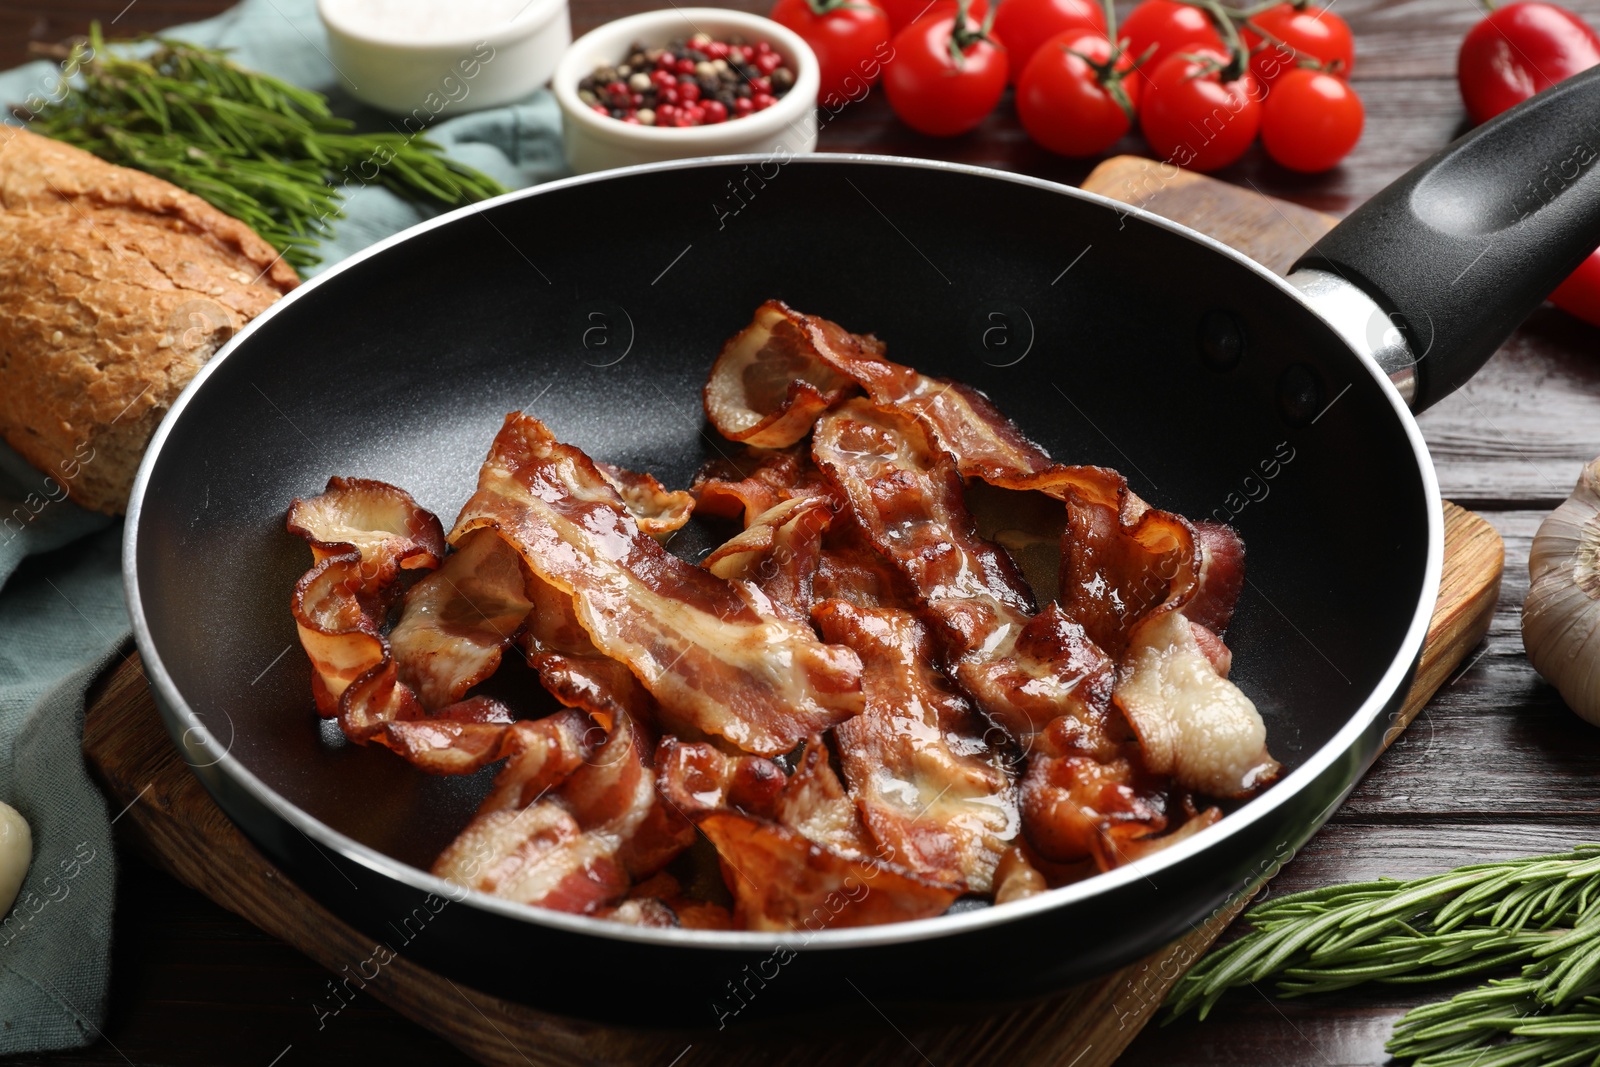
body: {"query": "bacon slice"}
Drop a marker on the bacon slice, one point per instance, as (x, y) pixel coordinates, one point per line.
(778, 553)
(1221, 577)
(365, 533)
(768, 385)
(782, 881)
(458, 620)
(1086, 794)
(754, 481)
(657, 510)
(660, 901)
(714, 660)
(785, 369)
(905, 492)
(563, 835)
(382, 523)
(1193, 723)
(793, 850)
(929, 775)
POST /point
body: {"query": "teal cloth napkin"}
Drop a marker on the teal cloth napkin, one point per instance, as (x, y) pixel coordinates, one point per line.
(62, 615)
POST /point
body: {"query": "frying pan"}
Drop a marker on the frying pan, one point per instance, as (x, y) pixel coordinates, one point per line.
(1111, 335)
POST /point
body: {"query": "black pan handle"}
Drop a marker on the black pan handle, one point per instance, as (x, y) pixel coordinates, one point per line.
(1459, 250)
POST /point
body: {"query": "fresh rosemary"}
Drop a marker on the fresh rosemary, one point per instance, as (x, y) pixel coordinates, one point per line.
(1541, 913)
(266, 152)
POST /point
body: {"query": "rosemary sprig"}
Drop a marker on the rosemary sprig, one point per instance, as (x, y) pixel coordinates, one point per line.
(266, 152)
(1541, 913)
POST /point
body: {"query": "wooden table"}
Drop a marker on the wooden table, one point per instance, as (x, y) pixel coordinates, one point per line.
(1494, 767)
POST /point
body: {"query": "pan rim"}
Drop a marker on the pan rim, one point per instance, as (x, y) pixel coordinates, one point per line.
(183, 723)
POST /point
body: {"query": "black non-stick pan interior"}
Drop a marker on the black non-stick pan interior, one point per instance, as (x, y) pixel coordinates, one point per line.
(599, 307)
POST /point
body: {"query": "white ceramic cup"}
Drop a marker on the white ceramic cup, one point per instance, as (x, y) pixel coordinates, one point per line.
(424, 73)
(598, 142)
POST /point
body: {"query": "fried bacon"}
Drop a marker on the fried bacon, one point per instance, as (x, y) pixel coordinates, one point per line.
(1193, 723)
(930, 777)
(905, 492)
(947, 734)
(365, 533)
(713, 658)
(381, 523)
(572, 821)
(794, 851)
(778, 553)
(657, 510)
(777, 376)
(754, 481)
(458, 620)
(768, 385)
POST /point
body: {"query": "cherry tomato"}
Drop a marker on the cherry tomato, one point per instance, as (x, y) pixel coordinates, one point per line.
(1580, 294)
(903, 13)
(1289, 34)
(1069, 106)
(1310, 120)
(1171, 27)
(850, 38)
(1024, 25)
(1194, 119)
(930, 90)
(1519, 50)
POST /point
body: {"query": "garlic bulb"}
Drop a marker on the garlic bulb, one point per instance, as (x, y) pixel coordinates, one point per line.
(16, 850)
(1561, 617)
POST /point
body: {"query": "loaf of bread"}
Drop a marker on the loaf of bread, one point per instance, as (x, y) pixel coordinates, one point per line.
(115, 288)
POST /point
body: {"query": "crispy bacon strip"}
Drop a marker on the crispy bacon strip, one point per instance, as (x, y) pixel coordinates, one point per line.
(934, 791)
(571, 822)
(904, 490)
(1087, 794)
(362, 534)
(778, 553)
(1221, 577)
(339, 608)
(782, 881)
(754, 481)
(382, 523)
(768, 385)
(794, 852)
(1192, 722)
(703, 646)
(660, 901)
(458, 620)
(654, 507)
(785, 369)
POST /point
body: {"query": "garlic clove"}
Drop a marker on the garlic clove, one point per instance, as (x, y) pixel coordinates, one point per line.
(16, 852)
(1561, 615)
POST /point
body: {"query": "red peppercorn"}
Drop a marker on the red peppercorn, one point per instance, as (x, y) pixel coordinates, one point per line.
(767, 62)
(741, 107)
(689, 92)
(599, 109)
(695, 114)
(715, 112)
(716, 50)
(761, 85)
(670, 96)
(663, 78)
(684, 66)
(665, 113)
(762, 101)
(762, 47)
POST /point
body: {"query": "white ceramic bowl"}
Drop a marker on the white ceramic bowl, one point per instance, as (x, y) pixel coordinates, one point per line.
(422, 58)
(598, 142)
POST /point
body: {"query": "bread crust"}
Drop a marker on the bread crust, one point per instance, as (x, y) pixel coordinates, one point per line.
(115, 288)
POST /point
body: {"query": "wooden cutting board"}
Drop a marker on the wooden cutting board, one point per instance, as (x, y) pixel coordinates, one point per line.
(171, 817)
